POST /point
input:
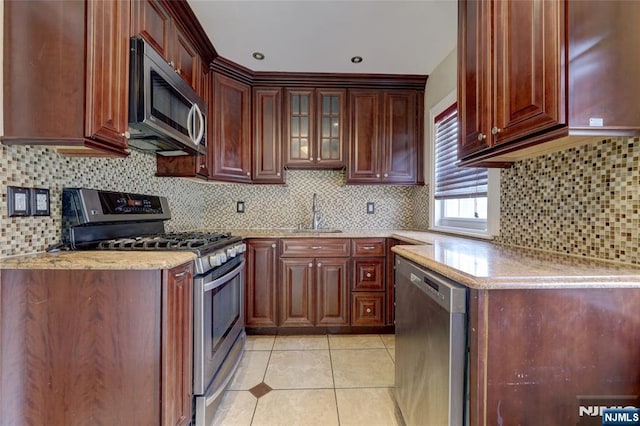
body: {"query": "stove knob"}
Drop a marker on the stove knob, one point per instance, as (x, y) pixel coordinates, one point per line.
(223, 257)
(214, 260)
(231, 252)
(242, 247)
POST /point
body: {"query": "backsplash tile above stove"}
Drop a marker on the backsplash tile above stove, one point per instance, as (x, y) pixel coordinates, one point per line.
(582, 201)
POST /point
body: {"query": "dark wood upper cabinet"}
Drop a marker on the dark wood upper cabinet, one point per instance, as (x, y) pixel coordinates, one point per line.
(76, 100)
(153, 21)
(385, 132)
(528, 86)
(267, 135)
(315, 122)
(231, 159)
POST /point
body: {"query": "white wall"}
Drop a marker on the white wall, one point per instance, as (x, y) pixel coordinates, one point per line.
(440, 83)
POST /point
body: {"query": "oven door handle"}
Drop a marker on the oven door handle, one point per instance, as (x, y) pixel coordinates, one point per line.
(225, 278)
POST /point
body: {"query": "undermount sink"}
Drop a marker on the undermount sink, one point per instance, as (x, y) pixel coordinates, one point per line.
(314, 231)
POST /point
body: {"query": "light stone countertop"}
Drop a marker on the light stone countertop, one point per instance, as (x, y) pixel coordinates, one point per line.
(482, 264)
(475, 263)
(98, 260)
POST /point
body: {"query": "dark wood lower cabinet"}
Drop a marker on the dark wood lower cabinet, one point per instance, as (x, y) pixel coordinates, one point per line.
(96, 347)
(296, 294)
(262, 273)
(537, 355)
(332, 291)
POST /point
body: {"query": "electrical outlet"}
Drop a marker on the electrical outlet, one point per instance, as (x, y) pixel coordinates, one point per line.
(40, 202)
(240, 207)
(371, 207)
(18, 203)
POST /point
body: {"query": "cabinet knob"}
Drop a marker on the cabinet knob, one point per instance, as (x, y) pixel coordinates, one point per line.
(178, 71)
(368, 274)
(386, 175)
(202, 166)
(273, 245)
(377, 175)
(127, 135)
(310, 265)
(481, 136)
(319, 265)
(278, 174)
(171, 64)
(368, 310)
(495, 131)
(248, 173)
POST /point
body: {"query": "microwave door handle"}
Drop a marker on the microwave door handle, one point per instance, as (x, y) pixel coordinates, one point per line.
(200, 116)
(190, 121)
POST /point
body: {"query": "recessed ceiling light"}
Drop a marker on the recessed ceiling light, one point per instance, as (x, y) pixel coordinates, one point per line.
(356, 59)
(258, 55)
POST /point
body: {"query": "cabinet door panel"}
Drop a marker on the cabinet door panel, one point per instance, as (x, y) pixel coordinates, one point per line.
(368, 308)
(368, 274)
(231, 129)
(529, 40)
(262, 264)
(364, 141)
(299, 122)
(153, 23)
(267, 142)
(400, 137)
(474, 78)
(107, 99)
(331, 126)
(177, 344)
(332, 283)
(296, 294)
(186, 59)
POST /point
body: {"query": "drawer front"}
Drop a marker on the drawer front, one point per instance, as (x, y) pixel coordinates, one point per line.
(368, 247)
(368, 274)
(367, 308)
(314, 247)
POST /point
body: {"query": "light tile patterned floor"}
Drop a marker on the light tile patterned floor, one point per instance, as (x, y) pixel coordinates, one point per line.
(313, 380)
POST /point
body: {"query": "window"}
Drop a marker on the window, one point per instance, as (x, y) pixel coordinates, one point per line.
(461, 201)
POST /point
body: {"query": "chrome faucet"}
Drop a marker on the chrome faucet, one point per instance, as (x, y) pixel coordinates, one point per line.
(315, 213)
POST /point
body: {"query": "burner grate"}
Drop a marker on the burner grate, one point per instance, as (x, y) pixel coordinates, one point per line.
(168, 241)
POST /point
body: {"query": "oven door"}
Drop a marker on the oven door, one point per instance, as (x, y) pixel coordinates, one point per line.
(218, 323)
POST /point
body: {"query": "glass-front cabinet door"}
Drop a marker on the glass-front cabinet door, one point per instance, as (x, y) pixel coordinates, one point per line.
(314, 128)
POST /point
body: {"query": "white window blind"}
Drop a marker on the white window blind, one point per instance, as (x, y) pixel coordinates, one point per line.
(453, 181)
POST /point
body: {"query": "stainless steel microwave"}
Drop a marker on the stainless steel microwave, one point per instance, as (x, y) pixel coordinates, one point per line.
(166, 115)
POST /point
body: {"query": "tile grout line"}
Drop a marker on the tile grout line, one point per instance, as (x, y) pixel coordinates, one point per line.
(333, 380)
(264, 375)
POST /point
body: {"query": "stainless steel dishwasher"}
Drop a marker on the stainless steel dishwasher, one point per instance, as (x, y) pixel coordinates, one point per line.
(431, 341)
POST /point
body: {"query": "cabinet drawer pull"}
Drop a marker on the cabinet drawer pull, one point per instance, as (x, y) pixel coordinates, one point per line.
(316, 247)
(368, 274)
(368, 310)
(181, 274)
(368, 247)
(481, 136)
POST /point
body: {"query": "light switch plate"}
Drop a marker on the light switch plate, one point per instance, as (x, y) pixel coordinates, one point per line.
(18, 203)
(371, 208)
(40, 202)
(240, 207)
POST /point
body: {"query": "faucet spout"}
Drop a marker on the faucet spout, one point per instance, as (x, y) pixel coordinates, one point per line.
(315, 213)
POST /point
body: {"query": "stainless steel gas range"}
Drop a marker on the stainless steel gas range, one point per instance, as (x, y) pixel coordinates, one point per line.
(106, 220)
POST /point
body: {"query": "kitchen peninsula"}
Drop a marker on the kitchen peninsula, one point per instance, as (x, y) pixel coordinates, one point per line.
(549, 335)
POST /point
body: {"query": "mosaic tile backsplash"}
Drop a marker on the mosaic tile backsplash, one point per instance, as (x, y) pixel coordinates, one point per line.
(194, 205)
(582, 201)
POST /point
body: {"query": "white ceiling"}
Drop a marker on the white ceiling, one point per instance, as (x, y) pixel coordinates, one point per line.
(393, 37)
